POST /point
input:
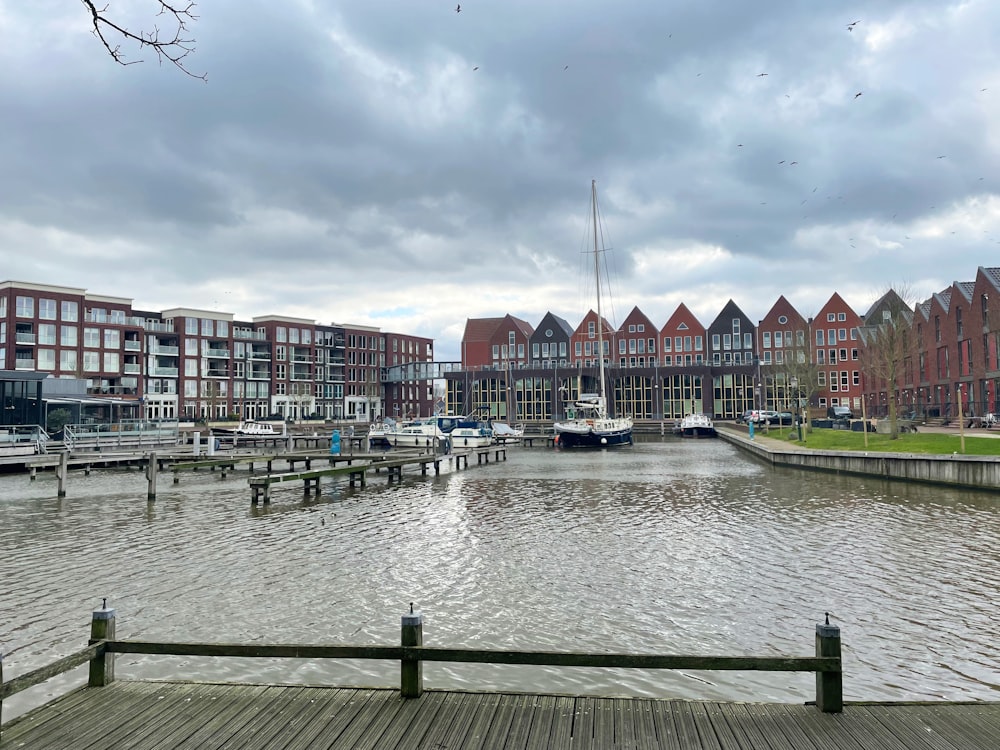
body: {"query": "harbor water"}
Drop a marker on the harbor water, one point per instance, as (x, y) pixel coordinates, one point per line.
(668, 546)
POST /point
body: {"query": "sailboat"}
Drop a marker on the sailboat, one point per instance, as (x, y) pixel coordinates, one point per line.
(588, 424)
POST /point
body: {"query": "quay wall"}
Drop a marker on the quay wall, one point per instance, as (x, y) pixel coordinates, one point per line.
(971, 472)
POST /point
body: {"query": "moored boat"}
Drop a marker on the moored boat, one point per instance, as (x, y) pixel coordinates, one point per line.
(588, 424)
(697, 426)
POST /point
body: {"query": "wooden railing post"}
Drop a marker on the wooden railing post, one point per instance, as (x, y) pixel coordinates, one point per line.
(152, 466)
(411, 682)
(102, 628)
(829, 685)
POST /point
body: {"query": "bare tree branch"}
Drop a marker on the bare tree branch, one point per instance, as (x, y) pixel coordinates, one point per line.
(171, 48)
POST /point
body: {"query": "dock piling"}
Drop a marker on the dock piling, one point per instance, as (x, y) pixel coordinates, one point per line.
(411, 670)
(61, 471)
(102, 628)
(152, 467)
(829, 685)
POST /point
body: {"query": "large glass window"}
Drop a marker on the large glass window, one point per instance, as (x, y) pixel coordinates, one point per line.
(24, 307)
(92, 337)
(222, 328)
(293, 335)
(47, 309)
(67, 360)
(112, 338)
(191, 326)
(111, 360)
(46, 359)
(91, 361)
(68, 335)
(70, 311)
(207, 327)
(47, 334)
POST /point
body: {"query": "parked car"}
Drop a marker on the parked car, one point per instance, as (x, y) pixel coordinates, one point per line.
(760, 416)
(786, 417)
(839, 412)
(745, 417)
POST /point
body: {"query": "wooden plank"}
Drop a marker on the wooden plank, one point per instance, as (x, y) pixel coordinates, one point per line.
(583, 723)
(824, 731)
(645, 729)
(867, 731)
(465, 717)
(604, 727)
(564, 711)
(228, 712)
(390, 708)
(542, 715)
(667, 731)
(314, 716)
(523, 707)
(413, 721)
(272, 702)
(951, 725)
(693, 726)
(499, 729)
(438, 730)
(485, 715)
(778, 725)
(749, 731)
(346, 729)
(186, 716)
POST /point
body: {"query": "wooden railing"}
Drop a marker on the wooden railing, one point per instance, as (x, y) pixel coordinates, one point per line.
(411, 653)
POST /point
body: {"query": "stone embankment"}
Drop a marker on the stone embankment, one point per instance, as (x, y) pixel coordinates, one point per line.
(967, 472)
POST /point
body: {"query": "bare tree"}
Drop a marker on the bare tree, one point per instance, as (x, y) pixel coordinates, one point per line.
(796, 378)
(171, 47)
(889, 340)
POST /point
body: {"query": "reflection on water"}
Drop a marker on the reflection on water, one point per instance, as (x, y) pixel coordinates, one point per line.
(667, 547)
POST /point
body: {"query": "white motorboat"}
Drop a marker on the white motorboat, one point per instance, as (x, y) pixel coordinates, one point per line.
(697, 426)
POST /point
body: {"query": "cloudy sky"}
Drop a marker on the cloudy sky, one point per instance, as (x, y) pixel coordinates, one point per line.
(395, 163)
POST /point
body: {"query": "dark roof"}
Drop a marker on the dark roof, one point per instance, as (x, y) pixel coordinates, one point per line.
(15, 375)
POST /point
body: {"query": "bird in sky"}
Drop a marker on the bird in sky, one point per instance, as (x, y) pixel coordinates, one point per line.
(476, 68)
(793, 164)
(858, 94)
(566, 68)
(781, 162)
(761, 75)
(850, 26)
(458, 8)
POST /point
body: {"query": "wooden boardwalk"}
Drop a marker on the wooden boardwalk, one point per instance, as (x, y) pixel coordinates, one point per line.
(201, 715)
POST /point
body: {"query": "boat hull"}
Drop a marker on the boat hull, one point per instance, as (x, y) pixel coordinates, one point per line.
(594, 438)
(698, 432)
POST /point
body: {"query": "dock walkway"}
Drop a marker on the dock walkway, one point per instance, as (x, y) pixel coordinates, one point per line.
(250, 717)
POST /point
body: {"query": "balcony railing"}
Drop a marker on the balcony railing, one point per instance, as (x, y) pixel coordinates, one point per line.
(130, 369)
(217, 374)
(24, 364)
(169, 351)
(223, 353)
(302, 376)
(133, 346)
(156, 327)
(249, 335)
(261, 356)
(258, 375)
(25, 338)
(164, 372)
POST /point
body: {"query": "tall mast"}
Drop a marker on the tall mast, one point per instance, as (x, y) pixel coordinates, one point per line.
(600, 316)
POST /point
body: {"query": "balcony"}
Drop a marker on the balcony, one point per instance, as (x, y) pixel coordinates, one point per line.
(212, 373)
(132, 369)
(133, 346)
(168, 351)
(218, 353)
(249, 335)
(24, 364)
(155, 327)
(302, 357)
(24, 338)
(302, 376)
(261, 355)
(164, 372)
(258, 375)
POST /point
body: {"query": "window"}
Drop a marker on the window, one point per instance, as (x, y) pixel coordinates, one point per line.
(67, 360)
(68, 335)
(91, 361)
(678, 343)
(820, 340)
(641, 328)
(631, 328)
(591, 330)
(651, 345)
(621, 346)
(222, 328)
(190, 368)
(118, 316)
(716, 345)
(47, 335)
(841, 334)
(47, 309)
(293, 335)
(748, 341)
(727, 341)
(699, 344)
(833, 356)
(46, 359)
(841, 317)
(25, 307)
(91, 338)
(207, 327)
(667, 347)
(687, 343)
(111, 362)
(534, 350)
(281, 334)
(821, 379)
(821, 356)
(831, 317)
(831, 336)
(191, 326)
(736, 328)
(112, 338)
(854, 356)
(782, 319)
(3, 308)
(766, 339)
(777, 340)
(520, 351)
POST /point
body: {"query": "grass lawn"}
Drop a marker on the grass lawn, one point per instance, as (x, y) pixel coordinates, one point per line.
(918, 442)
